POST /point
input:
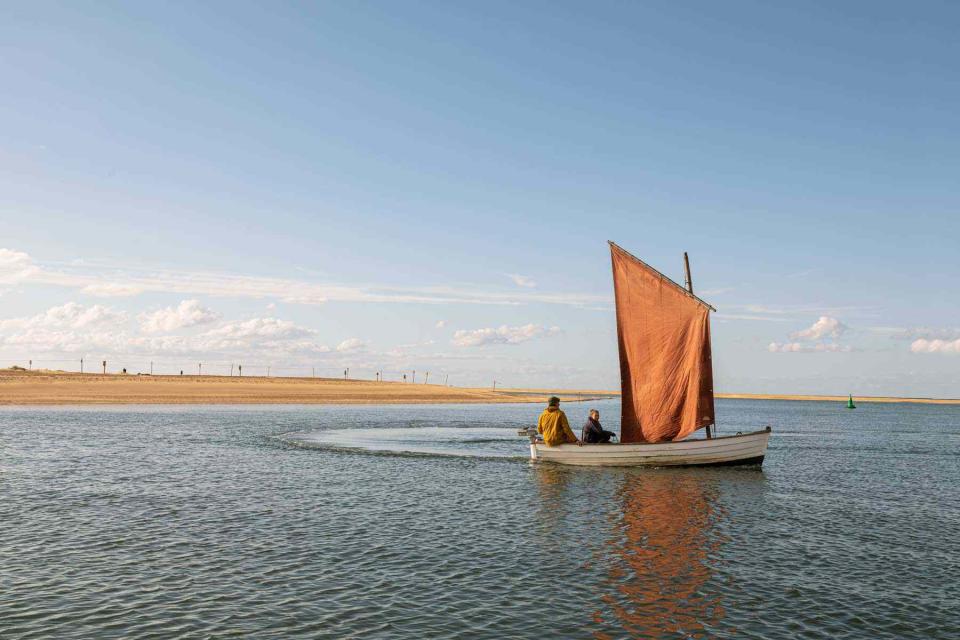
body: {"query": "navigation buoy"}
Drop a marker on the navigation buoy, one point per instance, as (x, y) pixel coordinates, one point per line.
(850, 404)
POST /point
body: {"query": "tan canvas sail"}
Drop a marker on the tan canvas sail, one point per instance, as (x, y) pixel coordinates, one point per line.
(665, 369)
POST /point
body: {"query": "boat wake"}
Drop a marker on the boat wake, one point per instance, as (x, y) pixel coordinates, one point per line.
(470, 442)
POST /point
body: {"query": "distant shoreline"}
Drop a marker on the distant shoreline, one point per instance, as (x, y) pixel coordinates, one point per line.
(52, 388)
(49, 388)
(856, 399)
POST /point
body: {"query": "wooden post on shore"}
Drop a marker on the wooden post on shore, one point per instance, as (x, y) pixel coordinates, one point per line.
(414, 380)
(104, 367)
(199, 368)
(268, 371)
(30, 365)
(446, 380)
(494, 385)
(81, 365)
(151, 367)
(686, 268)
(240, 369)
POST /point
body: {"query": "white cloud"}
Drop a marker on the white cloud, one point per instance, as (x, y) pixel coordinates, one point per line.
(766, 309)
(522, 281)
(440, 324)
(188, 313)
(40, 339)
(267, 336)
(305, 298)
(501, 335)
(103, 279)
(797, 347)
(260, 328)
(414, 345)
(69, 327)
(295, 291)
(787, 312)
(111, 290)
(719, 291)
(926, 333)
(15, 266)
(747, 316)
(811, 340)
(351, 344)
(67, 316)
(823, 328)
(923, 345)
(78, 329)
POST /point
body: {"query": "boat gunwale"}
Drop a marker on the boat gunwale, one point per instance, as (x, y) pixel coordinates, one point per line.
(561, 447)
(660, 464)
(726, 448)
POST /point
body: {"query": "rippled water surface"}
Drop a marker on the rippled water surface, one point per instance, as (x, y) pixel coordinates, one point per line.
(414, 522)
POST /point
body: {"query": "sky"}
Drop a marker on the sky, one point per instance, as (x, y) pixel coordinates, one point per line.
(429, 186)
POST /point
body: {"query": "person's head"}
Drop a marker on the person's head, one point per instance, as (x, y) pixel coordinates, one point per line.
(553, 403)
(595, 414)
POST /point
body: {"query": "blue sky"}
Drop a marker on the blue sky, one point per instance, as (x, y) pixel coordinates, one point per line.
(430, 186)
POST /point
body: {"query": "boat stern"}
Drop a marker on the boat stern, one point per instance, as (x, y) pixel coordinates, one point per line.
(534, 437)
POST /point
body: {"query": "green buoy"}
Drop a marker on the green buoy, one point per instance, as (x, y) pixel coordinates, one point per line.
(850, 404)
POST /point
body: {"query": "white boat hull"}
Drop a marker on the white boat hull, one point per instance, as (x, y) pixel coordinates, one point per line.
(745, 449)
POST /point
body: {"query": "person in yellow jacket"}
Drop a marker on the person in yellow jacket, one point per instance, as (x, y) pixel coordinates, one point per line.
(553, 425)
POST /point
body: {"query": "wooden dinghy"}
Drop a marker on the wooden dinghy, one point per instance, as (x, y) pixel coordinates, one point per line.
(666, 379)
(741, 449)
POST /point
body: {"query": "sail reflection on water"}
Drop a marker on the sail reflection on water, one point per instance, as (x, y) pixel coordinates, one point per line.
(665, 539)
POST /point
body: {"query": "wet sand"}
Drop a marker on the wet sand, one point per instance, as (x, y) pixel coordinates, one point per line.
(60, 388)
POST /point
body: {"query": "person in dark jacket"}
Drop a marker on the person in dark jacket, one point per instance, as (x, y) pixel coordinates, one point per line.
(593, 433)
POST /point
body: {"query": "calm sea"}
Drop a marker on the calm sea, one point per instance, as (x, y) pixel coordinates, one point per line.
(429, 522)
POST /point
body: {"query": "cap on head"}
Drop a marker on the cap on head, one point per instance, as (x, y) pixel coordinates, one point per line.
(553, 402)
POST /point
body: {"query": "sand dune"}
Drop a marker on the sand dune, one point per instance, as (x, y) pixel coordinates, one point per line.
(53, 388)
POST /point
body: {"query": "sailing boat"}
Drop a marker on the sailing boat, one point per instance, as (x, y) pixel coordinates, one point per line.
(666, 377)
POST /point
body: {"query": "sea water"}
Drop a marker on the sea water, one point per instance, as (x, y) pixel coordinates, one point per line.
(429, 521)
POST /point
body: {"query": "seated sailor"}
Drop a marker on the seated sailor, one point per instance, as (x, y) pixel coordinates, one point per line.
(553, 425)
(593, 432)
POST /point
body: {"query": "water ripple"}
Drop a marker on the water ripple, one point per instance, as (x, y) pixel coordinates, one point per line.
(234, 522)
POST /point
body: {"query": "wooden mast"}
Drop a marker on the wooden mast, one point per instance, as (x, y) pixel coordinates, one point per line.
(686, 267)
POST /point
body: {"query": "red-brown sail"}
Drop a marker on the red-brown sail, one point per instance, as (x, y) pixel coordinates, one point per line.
(665, 370)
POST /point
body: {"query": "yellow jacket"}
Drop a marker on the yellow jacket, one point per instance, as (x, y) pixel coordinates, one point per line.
(554, 427)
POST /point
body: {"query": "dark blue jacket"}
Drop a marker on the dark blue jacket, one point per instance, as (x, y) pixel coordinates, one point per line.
(593, 433)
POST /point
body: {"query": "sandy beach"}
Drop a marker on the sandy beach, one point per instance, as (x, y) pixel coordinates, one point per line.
(63, 388)
(60, 388)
